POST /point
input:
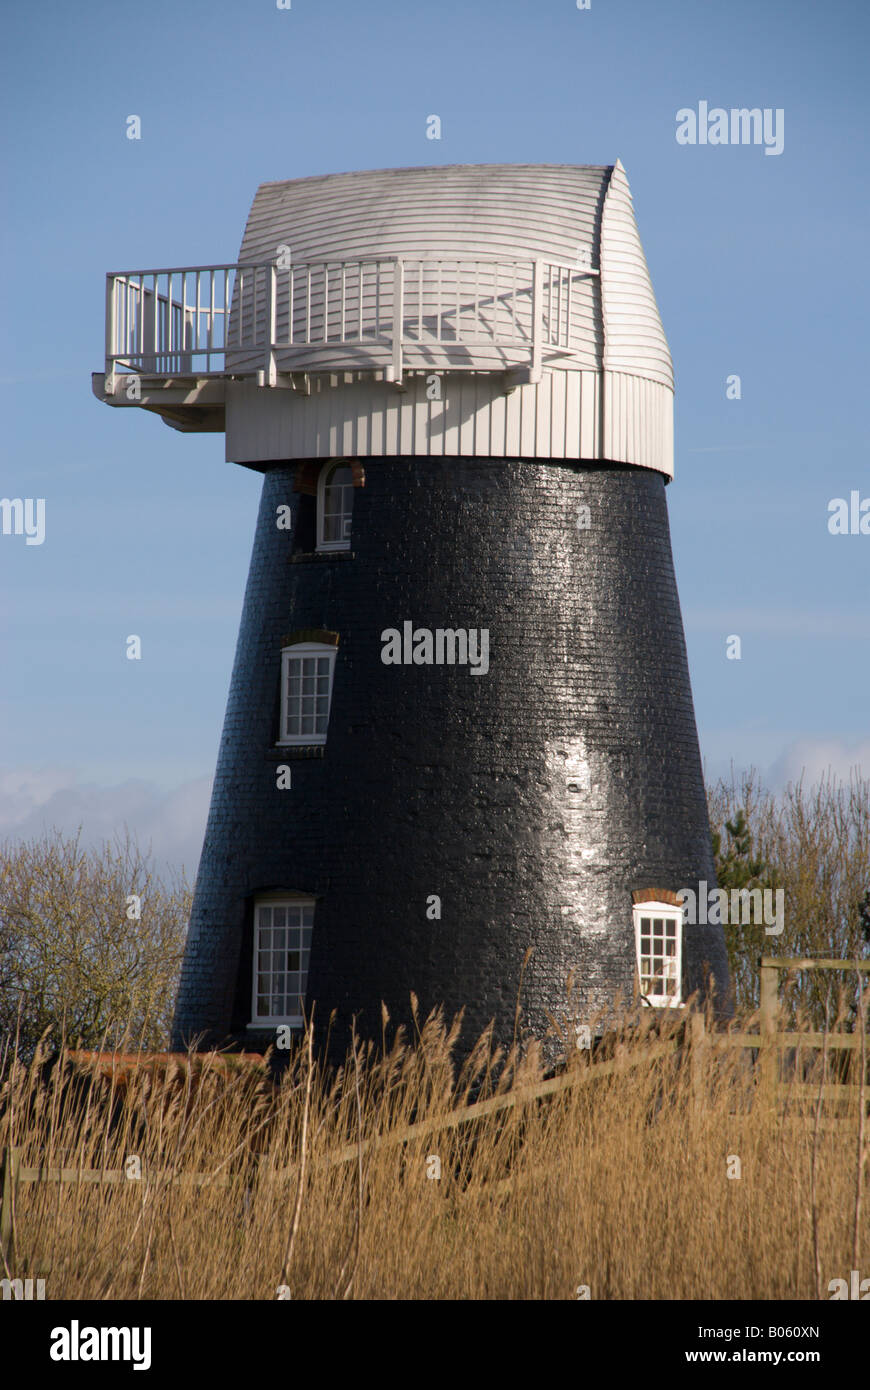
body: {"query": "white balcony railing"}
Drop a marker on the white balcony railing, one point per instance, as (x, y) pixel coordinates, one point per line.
(390, 314)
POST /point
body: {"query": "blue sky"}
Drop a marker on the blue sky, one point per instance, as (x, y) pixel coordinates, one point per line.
(759, 264)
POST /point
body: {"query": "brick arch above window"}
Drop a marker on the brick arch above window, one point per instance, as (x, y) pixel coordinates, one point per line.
(310, 634)
(308, 474)
(655, 895)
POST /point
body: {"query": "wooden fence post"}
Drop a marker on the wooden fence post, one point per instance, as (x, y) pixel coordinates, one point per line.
(769, 997)
(8, 1179)
(769, 1000)
(698, 1038)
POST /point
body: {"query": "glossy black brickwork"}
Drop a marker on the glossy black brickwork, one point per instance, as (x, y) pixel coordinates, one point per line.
(532, 800)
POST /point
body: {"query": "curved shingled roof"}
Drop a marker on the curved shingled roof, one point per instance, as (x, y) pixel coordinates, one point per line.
(536, 210)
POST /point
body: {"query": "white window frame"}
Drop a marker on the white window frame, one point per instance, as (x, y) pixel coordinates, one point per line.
(302, 905)
(291, 653)
(344, 543)
(658, 998)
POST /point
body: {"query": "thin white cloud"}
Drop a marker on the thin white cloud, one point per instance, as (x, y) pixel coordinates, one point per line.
(729, 752)
(814, 758)
(33, 800)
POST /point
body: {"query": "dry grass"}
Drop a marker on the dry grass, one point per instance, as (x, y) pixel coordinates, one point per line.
(618, 1183)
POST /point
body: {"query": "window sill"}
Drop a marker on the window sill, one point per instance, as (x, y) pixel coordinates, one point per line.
(296, 750)
(268, 1026)
(313, 557)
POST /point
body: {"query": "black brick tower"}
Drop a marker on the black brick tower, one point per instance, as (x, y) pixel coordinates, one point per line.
(456, 385)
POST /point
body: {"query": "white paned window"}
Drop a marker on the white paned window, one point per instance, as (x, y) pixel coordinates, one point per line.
(334, 507)
(658, 931)
(306, 692)
(282, 944)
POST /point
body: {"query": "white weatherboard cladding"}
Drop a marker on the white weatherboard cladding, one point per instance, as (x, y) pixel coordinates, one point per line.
(613, 399)
(559, 418)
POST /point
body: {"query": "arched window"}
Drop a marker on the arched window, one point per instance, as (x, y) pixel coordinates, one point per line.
(334, 506)
(306, 692)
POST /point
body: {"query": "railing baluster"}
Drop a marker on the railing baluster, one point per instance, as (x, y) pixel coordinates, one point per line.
(122, 319)
(210, 331)
(111, 325)
(182, 327)
(458, 304)
(552, 305)
(115, 321)
(169, 280)
(569, 291)
(549, 319)
(138, 302)
(270, 287)
(537, 317)
(398, 318)
(195, 343)
(156, 298)
(149, 300)
(116, 330)
(555, 298)
(227, 301)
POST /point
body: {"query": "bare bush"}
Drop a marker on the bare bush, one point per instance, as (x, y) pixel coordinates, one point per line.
(814, 843)
(74, 954)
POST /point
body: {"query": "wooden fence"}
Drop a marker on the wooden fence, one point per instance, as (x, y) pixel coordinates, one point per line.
(698, 1041)
(15, 1172)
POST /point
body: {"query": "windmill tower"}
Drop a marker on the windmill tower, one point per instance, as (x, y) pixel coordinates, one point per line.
(460, 723)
